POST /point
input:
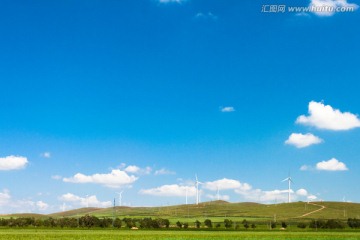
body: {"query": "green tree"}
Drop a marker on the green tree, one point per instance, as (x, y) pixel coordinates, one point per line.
(228, 223)
(129, 222)
(245, 224)
(301, 225)
(208, 223)
(273, 225)
(117, 223)
(179, 224)
(197, 224)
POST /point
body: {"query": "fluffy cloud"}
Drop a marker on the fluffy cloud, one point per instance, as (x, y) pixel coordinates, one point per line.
(173, 190)
(116, 178)
(164, 171)
(305, 168)
(331, 165)
(137, 170)
(302, 192)
(13, 163)
(225, 184)
(325, 117)
(132, 169)
(311, 197)
(42, 205)
(206, 16)
(56, 177)
(172, 1)
(216, 197)
(258, 195)
(227, 109)
(90, 201)
(10, 205)
(4, 197)
(324, 7)
(303, 140)
(46, 155)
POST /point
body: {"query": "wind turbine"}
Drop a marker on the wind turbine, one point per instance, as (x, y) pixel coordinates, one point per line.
(120, 197)
(197, 189)
(186, 195)
(289, 180)
(217, 193)
(87, 201)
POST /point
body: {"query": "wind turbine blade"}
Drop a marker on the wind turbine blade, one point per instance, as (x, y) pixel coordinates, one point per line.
(286, 179)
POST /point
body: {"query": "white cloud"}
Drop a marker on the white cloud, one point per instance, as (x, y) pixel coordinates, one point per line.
(225, 184)
(221, 197)
(258, 195)
(305, 168)
(137, 170)
(326, 8)
(46, 155)
(303, 140)
(227, 109)
(42, 205)
(331, 165)
(302, 192)
(173, 190)
(172, 1)
(4, 197)
(90, 201)
(13, 163)
(56, 177)
(132, 169)
(325, 117)
(10, 205)
(164, 171)
(311, 197)
(116, 178)
(206, 16)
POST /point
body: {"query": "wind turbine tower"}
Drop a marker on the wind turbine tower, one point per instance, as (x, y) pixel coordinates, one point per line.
(87, 201)
(197, 190)
(120, 198)
(289, 180)
(217, 193)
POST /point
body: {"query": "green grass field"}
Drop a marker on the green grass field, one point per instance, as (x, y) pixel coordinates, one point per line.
(16, 234)
(225, 209)
(217, 211)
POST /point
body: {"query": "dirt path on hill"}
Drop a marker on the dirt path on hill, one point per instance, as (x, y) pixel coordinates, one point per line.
(318, 210)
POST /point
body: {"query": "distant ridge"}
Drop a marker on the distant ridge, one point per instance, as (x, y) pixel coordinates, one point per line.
(221, 209)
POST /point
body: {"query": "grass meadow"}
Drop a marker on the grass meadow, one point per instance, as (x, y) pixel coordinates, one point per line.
(49, 234)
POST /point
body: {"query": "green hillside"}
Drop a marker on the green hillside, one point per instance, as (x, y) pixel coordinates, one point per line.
(222, 209)
(219, 210)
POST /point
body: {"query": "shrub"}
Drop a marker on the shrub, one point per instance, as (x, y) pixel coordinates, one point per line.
(302, 225)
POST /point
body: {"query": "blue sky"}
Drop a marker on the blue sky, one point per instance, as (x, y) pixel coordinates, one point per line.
(139, 96)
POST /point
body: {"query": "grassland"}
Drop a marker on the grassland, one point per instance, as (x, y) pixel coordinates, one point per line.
(218, 210)
(12, 234)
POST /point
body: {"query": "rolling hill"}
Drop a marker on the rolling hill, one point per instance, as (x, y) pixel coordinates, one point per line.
(221, 209)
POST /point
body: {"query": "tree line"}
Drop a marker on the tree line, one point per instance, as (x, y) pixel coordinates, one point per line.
(89, 221)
